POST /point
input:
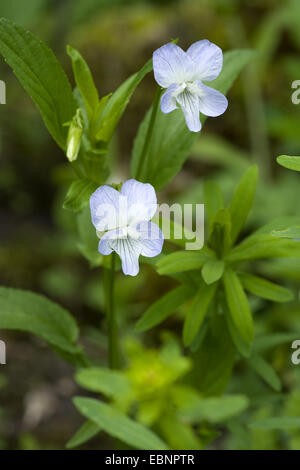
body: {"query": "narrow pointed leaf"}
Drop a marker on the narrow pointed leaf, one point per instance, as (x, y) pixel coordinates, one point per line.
(266, 289)
(215, 409)
(242, 201)
(164, 307)
(291, 232)
(263, 246)
(197, 312)
(182, 261)
(118, 102)
(214, 358)
(238, 305)
(119, 425)
(86, 432)
(265, 371)
(84, 81)
(285, 423)
(98, 379)
(213, 198)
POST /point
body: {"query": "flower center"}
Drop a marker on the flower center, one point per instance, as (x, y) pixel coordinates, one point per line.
(131, 232)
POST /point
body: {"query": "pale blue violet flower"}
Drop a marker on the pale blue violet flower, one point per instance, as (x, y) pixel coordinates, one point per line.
(183, 74)
(122, 221)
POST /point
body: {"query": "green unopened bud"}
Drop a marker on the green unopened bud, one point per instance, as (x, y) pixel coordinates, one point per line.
(74, 136)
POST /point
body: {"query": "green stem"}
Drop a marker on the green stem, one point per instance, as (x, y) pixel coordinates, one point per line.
(143, 160)
(113, 345)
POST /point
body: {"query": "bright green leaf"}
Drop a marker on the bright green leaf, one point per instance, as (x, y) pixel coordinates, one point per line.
(291, 232)
(98, 379)
(116, 105)
(213, 198)
(197, 312)
(213, 270)
(242, 201)
(79, 194)
(84, 81)
(164, 307)
(265, 342)
(119, 425)
(214, 359)
(41, 75)
(263, 246)
(215, 409)
(86, 432)
(292, 163)
(265, 371)
(179, 434)
(26, 311)
(265, 289)
(238, 305)
(284, 423)
(182, 261)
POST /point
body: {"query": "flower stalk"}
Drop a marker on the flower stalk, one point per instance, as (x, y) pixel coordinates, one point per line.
(113, 341)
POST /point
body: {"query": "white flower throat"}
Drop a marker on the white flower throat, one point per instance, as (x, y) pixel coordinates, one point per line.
(129, 232)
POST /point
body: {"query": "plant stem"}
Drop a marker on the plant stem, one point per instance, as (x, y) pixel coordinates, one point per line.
(113, 346)
(143, 160)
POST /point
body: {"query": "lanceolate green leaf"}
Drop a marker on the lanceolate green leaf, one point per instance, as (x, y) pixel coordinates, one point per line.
(213, 198)
(266, 289)
(265, 342)
(179, 435)
(86, 432)
(243, 347)
(265, 371)
(292, 163)
(238, 305)
(263, 246)
(220, 232)
(182, 261)
(119, 425)
(277, 423)
(197, 312)
(116, 105)
(84, 81)
(164, 307)
(41, 75)
(242, 201)
(291, 232)
(214, 358)
(215, 409)
(78, 195)
(171, 141)
(26, 311)
(98, 379)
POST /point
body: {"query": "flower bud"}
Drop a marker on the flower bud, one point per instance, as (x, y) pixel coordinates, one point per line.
(74, 136)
